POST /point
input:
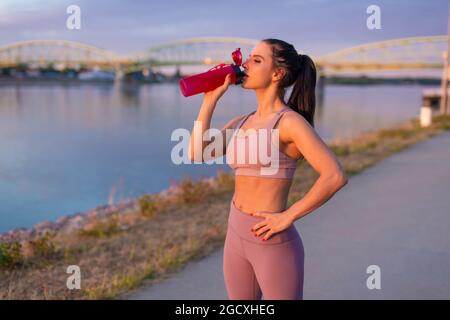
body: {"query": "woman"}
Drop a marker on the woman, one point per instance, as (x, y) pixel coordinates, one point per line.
(263, 252)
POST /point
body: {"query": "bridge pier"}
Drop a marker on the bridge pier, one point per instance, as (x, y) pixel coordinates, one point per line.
(177, 74)
(119, 74)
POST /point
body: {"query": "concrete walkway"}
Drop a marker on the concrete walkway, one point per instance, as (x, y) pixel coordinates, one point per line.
(395, 215)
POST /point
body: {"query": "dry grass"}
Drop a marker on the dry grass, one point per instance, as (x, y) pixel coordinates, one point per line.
(123, 251)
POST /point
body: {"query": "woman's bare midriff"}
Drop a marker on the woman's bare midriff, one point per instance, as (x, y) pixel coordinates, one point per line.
(261, 194)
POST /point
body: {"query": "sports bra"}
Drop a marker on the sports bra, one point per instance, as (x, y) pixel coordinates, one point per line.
(259, 163)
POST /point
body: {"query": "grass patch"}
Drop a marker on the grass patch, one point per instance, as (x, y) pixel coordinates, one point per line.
(148, 205)
(45, 246)
(192, 192)
(101, 228)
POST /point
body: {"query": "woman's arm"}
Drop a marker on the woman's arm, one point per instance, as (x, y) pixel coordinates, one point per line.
(219, 140)
(320, 157)
(196, 143)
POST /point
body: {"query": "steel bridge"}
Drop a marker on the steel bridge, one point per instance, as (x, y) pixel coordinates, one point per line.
(396, 54)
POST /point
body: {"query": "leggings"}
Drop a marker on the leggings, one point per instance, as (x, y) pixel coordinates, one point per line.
(252, 268)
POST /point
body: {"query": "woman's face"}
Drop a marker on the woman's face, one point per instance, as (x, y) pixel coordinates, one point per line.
(259, 67)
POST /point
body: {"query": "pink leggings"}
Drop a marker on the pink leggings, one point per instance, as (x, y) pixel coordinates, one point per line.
(253, 267)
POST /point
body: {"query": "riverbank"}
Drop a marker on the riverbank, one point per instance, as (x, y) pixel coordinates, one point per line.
(118, 247)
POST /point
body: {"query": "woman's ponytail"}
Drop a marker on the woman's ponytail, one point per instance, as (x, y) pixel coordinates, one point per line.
(303, 95)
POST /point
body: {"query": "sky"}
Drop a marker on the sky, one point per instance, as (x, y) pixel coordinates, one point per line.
(314, 26)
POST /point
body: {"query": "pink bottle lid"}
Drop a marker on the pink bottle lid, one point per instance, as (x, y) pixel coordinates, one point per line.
(237, 56)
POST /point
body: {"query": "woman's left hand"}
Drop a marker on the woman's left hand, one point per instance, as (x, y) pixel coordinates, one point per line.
(274, 222)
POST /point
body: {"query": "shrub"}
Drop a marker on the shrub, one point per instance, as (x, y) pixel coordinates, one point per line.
(193, 192)
(44, 245)
(101, 228)
(225, 180)
(10, 255)
(147, 205)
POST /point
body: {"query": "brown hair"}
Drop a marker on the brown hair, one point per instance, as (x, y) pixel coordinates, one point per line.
(300, 72)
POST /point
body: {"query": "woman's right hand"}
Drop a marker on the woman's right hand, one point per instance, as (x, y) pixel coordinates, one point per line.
(214, 95)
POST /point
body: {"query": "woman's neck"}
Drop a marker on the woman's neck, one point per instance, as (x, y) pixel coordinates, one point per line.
(268, 102)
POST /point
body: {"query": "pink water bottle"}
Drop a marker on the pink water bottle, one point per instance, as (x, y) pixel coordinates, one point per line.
(214, 77)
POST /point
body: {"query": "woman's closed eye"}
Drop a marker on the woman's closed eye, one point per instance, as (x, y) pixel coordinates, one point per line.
(255, 60)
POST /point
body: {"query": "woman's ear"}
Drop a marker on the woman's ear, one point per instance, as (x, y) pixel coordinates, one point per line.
(278, 74)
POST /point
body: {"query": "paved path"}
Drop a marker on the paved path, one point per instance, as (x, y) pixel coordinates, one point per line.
(395, 214)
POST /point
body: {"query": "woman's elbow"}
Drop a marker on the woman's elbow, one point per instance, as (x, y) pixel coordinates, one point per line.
(340, 179)
(337, 178)
(195, 158)
(198, 157)
(192, 156)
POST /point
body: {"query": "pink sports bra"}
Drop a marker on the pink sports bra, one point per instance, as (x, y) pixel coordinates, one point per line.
(259, 163)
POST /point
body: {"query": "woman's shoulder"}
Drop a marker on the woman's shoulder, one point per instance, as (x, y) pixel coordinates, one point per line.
(291, 121)
(231, 124)
(292, 116)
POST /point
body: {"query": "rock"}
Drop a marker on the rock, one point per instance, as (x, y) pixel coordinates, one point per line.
(28, 248)
(62, 220)
(92, 214)
(74, 223)
(44, 226)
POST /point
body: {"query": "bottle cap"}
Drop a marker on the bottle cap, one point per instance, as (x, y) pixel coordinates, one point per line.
(237, 56)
